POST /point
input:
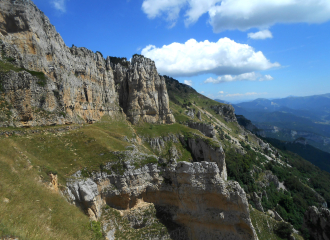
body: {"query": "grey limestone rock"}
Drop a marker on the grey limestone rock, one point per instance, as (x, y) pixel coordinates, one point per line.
(81, 84)
(278, 217)
(226, 111)
(193, 195)
(206, 129)
(199, 115)
(203, 150)
(317, 221)
(190, 113)
(267, 178)
(158, 143)
(256, 199)
(271, 213)
(85, 192)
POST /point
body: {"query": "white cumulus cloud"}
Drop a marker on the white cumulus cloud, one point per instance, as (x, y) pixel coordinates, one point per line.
(188, 82)
(224, 57)
(171, 8)
(59, 5)
(241, 14)
(252, 76)
(261, 34)
(221, 92)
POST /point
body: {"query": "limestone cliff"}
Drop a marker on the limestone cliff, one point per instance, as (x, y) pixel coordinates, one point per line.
(80, 85)
(192, 195)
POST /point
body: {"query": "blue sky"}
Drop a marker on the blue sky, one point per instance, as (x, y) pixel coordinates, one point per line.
(235, 50)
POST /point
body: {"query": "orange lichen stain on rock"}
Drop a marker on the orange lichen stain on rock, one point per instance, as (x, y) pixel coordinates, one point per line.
(49, 57)
(32, 49)
(53, 182)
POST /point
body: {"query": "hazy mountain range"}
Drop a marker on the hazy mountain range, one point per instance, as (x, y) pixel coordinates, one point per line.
(290, 118)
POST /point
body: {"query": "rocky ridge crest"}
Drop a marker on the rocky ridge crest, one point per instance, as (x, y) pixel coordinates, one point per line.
(79, 85)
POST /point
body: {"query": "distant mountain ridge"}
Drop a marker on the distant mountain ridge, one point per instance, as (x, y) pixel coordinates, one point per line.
(318, 105)
(292, 117)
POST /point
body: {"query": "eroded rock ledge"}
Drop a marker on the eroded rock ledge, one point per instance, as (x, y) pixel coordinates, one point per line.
(192, 195)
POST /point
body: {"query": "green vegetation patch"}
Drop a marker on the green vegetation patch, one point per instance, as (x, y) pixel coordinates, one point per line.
(148, 227)
(70, 151)
(6, 66)
(268, 228)
(28, 209)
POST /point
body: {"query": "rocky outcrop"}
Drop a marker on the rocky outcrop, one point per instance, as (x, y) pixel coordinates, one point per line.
(317, 221)
(31, 103)
(80, 84)
(159, 143)
(257, 201)
(267, 177)
(84, 192)
(206, 150)
(226, 111)
(193, 196)
(199, 115)
(190, 113)
(278, 217)
(142, 92)
(206, 129)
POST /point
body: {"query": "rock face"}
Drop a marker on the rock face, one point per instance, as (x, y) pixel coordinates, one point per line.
(190, 113)
(226, 111)
(317, 221)
(199, 115)
(206, 129)
(267, 178)
(207, 151)
(192, 195)
(257, 202)
(80, 84)
(158, 143)
(143, 94)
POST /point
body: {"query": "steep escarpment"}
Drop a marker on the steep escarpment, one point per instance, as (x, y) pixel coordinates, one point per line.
(194, 196)
(142, 92)
(76, 84)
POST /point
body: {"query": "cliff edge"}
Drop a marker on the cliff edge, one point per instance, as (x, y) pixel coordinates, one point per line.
(70, 84)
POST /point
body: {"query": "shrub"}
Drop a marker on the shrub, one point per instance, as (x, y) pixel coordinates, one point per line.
(283, 230)
(96, 229)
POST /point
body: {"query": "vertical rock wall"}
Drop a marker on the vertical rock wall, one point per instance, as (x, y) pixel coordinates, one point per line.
(192, 195)
(86, 84)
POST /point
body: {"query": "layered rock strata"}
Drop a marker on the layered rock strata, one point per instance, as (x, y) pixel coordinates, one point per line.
(80, 85)
(192, 195)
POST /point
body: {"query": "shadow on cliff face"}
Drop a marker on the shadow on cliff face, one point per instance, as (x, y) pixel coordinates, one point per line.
(176, 231)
